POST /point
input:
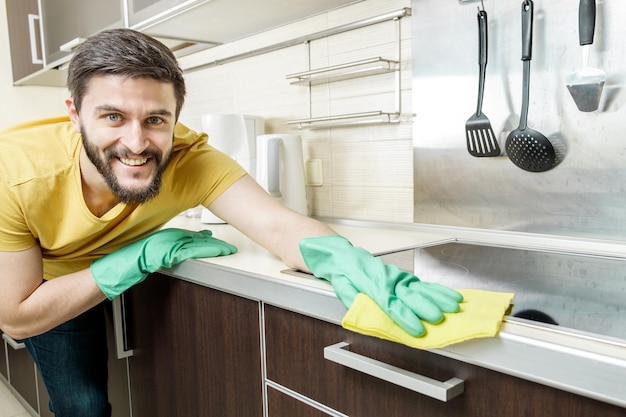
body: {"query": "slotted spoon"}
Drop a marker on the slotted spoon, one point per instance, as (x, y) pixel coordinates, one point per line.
(481, 141)
(525, 147)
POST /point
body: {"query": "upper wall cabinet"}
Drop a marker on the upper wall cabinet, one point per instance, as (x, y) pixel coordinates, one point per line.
(65, 23)
(23, 24)
(220, 21)
(43, 33)
(58, 26)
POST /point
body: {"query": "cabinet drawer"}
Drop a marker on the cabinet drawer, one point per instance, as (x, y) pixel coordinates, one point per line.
(282, 405)
(295, 359)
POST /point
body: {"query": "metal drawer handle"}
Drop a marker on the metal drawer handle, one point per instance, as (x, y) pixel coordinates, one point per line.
(12, 342)
(32, 34)
(71, 45)
(119, 328)
(443, 391)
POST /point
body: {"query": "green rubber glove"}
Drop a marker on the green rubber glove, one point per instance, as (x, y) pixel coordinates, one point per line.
(400, 294)
(116, 272)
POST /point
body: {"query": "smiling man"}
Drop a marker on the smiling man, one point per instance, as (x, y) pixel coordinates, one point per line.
(130, 143)
(83, 200)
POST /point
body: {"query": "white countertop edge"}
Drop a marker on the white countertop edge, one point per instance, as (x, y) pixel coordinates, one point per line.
(305, 298)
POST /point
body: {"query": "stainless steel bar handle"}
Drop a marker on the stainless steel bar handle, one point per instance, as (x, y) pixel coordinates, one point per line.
(13, 343)
(119, 328)
(32, 34)
(443, 391)
(72, 45)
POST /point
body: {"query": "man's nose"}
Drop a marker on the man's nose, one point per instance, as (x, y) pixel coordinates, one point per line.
(135, 138)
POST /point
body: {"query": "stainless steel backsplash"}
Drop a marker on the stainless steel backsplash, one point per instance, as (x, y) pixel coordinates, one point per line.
(583, 196)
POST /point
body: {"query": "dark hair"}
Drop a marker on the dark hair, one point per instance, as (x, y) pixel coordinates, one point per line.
(124, 52)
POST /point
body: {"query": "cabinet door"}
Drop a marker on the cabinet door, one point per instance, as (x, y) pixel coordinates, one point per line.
(222, 21)
(118, 373)
(140, 11)
(29, 384)
(295, 359)
(69, 21)
(196, 351)
(22, 373)
(24, 37)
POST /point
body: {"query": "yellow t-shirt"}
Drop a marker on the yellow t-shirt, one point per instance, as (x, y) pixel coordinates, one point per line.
(41, 200)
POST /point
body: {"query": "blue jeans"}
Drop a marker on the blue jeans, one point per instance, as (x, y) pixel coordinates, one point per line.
(72, 360)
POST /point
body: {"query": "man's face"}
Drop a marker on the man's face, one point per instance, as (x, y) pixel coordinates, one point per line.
(127, 126)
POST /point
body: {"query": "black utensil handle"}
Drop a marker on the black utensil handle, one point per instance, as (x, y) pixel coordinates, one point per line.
(527, 29)
(482, 37)
(586, 21)
(482, 58)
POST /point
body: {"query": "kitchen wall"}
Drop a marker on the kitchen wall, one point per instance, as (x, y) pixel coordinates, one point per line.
(584, 195)
(23, 103)
(367, 170)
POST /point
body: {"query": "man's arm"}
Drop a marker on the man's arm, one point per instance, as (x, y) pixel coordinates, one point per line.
(248, 208)
(29, 306)
(296, 239)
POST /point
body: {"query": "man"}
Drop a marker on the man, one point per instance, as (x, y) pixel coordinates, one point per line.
(82, 201)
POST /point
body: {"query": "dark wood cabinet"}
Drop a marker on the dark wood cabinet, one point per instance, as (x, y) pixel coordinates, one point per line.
(295, 359)
(22, 372)
(196, 351)
(24, 37)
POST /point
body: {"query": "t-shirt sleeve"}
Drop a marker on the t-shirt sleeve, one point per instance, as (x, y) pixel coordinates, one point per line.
(14, 232)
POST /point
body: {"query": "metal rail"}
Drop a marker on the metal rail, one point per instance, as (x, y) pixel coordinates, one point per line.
(304, 39)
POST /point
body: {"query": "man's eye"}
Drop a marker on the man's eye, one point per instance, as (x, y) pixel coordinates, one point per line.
(153, 120)
(113, 117)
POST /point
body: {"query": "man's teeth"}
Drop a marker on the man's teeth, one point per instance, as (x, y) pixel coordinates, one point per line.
(133, 162)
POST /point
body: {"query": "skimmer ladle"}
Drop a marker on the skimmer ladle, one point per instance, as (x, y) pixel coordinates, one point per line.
(525, 147)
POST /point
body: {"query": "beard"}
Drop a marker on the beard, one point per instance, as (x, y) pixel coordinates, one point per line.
(126, 195)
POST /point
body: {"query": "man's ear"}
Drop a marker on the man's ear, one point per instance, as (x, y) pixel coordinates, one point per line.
(73, 113)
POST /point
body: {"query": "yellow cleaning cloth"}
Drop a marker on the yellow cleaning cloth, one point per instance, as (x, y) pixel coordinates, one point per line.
(481, 315)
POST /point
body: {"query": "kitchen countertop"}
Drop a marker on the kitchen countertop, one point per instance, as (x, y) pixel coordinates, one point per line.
(582, 363)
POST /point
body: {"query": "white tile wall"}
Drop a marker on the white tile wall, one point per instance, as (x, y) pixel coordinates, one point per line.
(367, 171)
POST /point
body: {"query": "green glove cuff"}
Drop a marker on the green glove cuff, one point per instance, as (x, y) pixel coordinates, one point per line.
(127, 266)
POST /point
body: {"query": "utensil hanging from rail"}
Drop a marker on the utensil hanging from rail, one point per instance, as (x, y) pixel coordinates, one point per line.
(585, 84)
(525, 147)
(481, 141)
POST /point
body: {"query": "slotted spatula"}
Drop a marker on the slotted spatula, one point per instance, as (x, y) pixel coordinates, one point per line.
(481, 141)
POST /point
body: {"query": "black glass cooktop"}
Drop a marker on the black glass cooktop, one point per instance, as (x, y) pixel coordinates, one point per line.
(580, 292)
